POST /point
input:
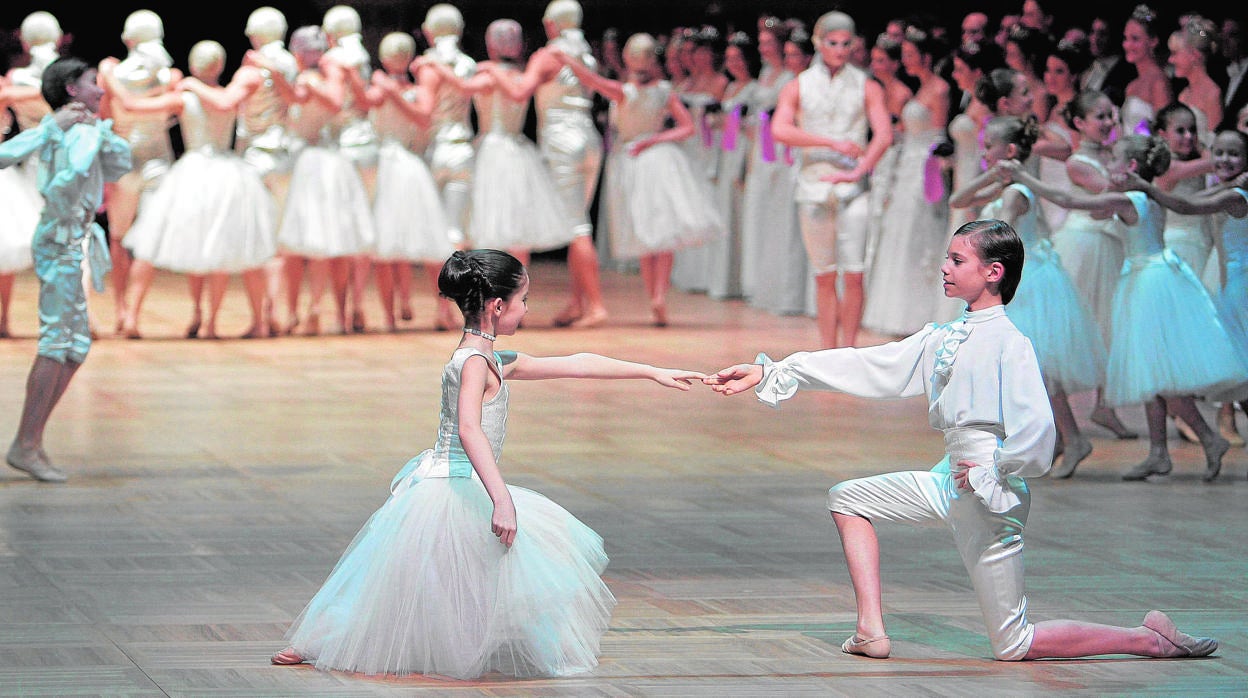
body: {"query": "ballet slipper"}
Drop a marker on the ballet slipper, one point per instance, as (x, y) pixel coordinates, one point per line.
(659, 310)
(357, 322)
(34, 463)
(4, 332)
(287, 657)
(875, 647)
(131, 333)
(312, 327)
(1226, 427)
(253, 332)
(589, 320)
(444, 322)
(1184, 645)
(1185, 431)
(405, 313)
(567, 316)
(1153, 465)
(1105, 417)
(1214, 450)
(192, 330)
(1075, 454)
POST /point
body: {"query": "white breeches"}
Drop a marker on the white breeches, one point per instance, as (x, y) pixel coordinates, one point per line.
(836, 238)
(991, 544)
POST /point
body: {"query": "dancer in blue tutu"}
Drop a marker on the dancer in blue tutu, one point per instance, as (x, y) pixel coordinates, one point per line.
(1169, 343)
(458, 573)
(1047, 307)
(1229, 199)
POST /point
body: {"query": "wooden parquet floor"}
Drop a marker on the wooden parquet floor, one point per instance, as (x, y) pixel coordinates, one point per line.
(213, 484)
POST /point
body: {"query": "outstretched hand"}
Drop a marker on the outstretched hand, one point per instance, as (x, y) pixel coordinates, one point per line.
(677, 378)
(735, 379)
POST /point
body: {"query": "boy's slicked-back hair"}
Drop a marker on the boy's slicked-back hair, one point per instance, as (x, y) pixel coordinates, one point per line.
(58, 76)
(997, 241)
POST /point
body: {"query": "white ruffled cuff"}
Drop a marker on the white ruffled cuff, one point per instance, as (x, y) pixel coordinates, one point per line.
(777, 384)
(987, 484)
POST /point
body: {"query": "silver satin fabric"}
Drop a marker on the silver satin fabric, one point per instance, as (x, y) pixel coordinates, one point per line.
(991, 544)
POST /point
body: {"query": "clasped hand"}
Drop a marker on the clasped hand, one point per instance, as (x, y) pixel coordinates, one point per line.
(735, 379)
(961, 472)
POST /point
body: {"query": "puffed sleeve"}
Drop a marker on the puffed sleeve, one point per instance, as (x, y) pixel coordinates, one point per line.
(1027, 418)
(64, 187)
(885, 371)
(115, 156)
(20, 147)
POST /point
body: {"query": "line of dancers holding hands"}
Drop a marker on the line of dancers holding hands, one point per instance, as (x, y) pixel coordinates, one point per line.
(497, 578)
(459, 574)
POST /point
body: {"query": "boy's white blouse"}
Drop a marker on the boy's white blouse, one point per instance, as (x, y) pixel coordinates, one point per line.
(994, 386)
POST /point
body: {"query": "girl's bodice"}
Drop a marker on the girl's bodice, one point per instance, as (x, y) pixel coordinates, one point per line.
(766, 90)
(1145, 238)
(642, 111)
(1026, 225)
(497, 114)
(391, 124)
(448, 458)
(204, 129)
(1235, 238)
(1198, 224)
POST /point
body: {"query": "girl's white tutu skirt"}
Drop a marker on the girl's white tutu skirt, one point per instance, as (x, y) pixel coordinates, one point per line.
(1049, 311)
(327, 212)
(211, 213)
(22, 205)
(1169, 338)
(514, 201)
(656, 204)
(426, 588)
(1092, 252)
(411, 223)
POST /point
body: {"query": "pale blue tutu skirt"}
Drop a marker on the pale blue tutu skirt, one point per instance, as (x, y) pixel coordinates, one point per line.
(426, 588)
(1233, 307)
(1168, 336)
(1050, 312)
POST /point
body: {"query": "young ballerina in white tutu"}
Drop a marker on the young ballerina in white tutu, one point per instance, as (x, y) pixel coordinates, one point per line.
(987, 397)
(1046, 308)
(1169, 342)
(458, 573)
(654, 201)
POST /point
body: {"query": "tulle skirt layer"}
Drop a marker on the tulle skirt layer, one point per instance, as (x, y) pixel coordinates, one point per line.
(425, 587)
(411, 223)
(1048, 309)
(1091, 252)
(211, 213)
(1233, 307)
(327, 212)
(21, 204)
(655, 203)
(514, 200)
(1169, 338)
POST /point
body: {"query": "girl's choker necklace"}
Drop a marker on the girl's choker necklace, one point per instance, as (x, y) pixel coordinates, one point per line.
(479, 333)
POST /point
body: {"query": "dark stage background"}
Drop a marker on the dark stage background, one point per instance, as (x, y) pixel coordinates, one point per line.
(96, 28)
